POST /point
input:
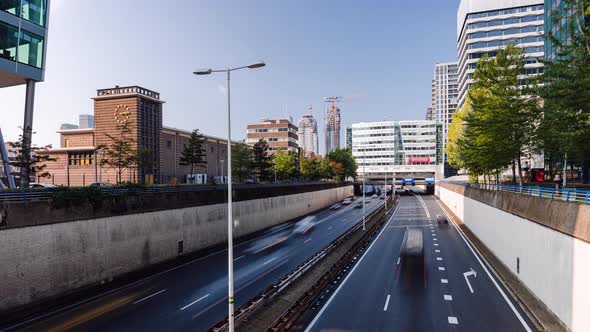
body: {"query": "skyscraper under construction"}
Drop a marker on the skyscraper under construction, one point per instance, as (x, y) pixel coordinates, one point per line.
(332, 124)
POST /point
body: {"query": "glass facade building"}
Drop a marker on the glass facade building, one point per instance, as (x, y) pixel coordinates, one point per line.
(484, 26)
(556, 18)
(23, 34)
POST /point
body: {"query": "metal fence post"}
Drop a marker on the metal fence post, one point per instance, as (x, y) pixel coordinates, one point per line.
(568, 196)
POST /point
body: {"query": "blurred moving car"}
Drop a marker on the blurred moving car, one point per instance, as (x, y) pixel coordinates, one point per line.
(374, 196)
(305, 225)
(412, 261)
(358, 205)
(440, 219)
(36, 185)
(336, 206)
(382, 196)
(100, 184)
(347, 201)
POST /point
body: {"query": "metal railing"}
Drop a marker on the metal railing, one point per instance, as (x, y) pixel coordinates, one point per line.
(569, 195)
(48, 194)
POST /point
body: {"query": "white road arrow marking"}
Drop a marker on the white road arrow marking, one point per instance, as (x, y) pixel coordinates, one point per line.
(467, 274)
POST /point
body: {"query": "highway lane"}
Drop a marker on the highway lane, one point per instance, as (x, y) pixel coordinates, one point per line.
(456, 293)
(193, 296)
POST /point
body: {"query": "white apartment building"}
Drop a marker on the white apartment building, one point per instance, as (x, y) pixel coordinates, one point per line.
(380, 147)
(484, 26)
(308, 135)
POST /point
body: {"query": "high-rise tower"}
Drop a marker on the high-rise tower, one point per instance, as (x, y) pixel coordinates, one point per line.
(308, 134)
(332, 124)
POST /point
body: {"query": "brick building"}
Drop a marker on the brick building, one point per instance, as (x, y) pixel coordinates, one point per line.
(280, 134)
(78, 159)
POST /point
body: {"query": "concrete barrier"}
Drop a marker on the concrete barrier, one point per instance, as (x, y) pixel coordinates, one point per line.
(41, 261)
(544, 244)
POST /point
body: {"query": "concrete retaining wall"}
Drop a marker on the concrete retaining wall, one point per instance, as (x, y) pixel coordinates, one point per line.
(553, 257)
(42, 261)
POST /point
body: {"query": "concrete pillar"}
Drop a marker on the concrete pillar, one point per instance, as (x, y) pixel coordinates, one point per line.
(27, 132)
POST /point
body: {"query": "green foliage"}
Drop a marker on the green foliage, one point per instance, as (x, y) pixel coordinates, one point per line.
(241, 161)
(261, 161)
(565, 126)
(119, 155)
(497, 124)
(342, 164)
(64, 197)
(312, 169)
(285, 164)
(194, 154)
(33, 159)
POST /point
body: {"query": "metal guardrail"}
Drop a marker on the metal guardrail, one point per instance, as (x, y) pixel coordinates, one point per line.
(569, 195)
(30, 195)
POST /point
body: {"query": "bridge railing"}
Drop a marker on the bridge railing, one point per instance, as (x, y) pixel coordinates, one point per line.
(30, 195)
(569, 195)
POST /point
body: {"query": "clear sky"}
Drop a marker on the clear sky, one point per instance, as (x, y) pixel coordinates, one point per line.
(379, 55)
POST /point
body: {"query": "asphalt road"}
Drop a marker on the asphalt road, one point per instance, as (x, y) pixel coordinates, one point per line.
(193, 296)
(457, 291)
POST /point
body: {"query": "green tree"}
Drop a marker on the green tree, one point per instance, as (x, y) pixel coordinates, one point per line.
(35, 161)
(261, 160)
(565, 126)
(348, 166)
(119, 155)
(501, 126)
(241, 161)
(311, 169)
(285, 164)
(194, 154)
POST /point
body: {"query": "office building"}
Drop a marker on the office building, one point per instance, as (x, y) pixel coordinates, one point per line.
(23, 35)
(332, 127)
(444, 98)
(484, 26)
(429, 114)
(78, 159)
(348, 136)
(280, 134)
(381, 146)
(308, 135)
(86, 121)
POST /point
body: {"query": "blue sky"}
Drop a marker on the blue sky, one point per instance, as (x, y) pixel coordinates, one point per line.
(378, 54)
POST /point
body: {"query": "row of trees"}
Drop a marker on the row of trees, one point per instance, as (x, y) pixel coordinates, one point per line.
(249, 162)
(508, 116)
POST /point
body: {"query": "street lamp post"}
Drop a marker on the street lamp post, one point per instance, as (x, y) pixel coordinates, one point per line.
(364, 189)
(230, 253)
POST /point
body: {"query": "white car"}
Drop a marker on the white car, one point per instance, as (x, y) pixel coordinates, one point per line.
(36, 185)
(347, 201)
(304, 226)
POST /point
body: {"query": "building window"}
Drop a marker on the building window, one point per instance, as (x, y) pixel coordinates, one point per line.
(169, 144)
(11, 6)
(80, 159)
(8, 41)
(212, 149)
(35, 11)
(67, 143)
(30, 49)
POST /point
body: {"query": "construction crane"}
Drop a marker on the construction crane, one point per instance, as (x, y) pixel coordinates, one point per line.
(333, 100)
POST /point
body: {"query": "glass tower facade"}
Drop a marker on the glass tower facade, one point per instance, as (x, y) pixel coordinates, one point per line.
(23, 31)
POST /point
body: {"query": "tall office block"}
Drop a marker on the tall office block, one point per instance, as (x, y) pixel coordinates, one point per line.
(484, 26)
